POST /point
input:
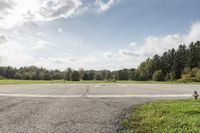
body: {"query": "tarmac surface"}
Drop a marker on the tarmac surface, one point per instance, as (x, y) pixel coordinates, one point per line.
(77, 108)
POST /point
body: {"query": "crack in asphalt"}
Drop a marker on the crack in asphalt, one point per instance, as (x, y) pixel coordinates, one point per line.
(86, 91)
(11, 105)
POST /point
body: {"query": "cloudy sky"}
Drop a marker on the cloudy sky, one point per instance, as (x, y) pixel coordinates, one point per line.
(93, 34)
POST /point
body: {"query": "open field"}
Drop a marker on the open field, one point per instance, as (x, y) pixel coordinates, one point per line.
(165, 116)
(7, 82)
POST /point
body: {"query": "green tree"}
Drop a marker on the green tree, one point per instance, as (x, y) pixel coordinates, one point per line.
(108, 76)
(85, 76)
(172, 76)
(67, 74)
(123, 74)
(198, 74)
(75, 76)
(158, 75)
(132, 73)
(99, 76)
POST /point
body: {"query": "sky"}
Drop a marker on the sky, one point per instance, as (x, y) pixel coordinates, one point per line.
(93, 34)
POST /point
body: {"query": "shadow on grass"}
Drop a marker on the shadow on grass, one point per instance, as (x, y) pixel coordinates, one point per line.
(192, 112)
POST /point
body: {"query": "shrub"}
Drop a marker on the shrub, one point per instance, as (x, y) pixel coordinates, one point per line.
(186, 70)
(75, 76)
(99, 76)
(172, 76)
(1, 77)
(85, 76)
(158, 75)
(194, 72)
(198, 74)
(167, 77)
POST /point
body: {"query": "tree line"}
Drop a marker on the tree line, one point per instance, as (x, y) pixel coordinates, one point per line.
(180, 64)
(39, 73)
(175, 64)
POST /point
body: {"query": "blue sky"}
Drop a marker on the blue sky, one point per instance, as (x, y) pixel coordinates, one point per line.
(93, 34)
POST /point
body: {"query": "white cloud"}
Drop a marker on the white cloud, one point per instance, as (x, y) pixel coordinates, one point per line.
(194, 33)
(72, 59)
(157, 45)
(126, 52)
(152, 45)
(60, 30)
(12, 54)
(132, 44)
(41, 44)
(40, 33)
(2, 39)
(18, 57)
(105, 5)
(50, 57)
(16, 12)
(59, 8)
(108, 55)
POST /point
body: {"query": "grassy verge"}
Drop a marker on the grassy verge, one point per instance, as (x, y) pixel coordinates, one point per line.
(7, 82)
(175, 116)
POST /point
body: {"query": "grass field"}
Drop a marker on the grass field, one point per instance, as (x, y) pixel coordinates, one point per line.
(179, 116)
(7, 82)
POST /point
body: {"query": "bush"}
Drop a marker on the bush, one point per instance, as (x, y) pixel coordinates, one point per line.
(1, 77)
(85, 76)
(194, 72)
(75, 76)
(198, 74)
(172, 76)
(188, 80)
(186, 70)
(98, 76)
(158, 75)
(123, 74)
(191, 75)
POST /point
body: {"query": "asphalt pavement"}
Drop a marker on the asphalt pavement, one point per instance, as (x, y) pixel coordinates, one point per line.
(77, 108)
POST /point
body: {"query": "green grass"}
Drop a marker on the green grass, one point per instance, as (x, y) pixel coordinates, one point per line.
(174, 116)
(9, 81)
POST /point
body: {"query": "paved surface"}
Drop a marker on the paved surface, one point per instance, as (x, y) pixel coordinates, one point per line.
(80, 114)
(99, 89)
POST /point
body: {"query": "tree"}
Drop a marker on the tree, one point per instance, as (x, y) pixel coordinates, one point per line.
(67, 74)
(98, 76)
(8, 72)
(108, 75)
(158, 75)
(198, 74)
(85, 76)
(184, 62)
(136, 76)
(1, 77)
(123, 74)
(194, 52)
(172, 76)
(91, 74)
(81, 71)
(75, 76)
